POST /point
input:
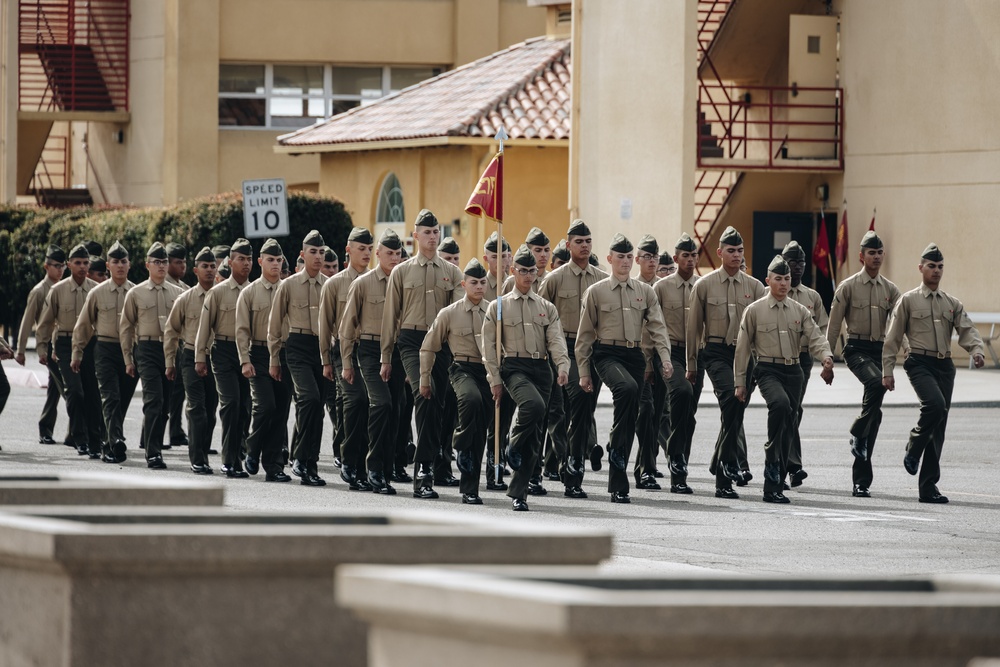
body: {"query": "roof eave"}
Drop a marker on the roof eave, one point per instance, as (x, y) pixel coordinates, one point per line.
(422, 142)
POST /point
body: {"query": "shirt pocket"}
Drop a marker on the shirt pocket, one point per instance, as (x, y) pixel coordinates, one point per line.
(921, 322)
(375, 299)
(717, 307)
(105, 308)
(193, 310)
(568, 296)
(298, 304)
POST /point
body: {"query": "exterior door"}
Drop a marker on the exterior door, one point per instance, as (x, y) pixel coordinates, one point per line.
(773, 230)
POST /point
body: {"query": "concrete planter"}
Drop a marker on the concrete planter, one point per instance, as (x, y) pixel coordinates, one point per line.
(200, 586)
(104, 489)
(493, 617)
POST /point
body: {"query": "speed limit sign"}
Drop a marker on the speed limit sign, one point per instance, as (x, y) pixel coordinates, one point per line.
(265, 208)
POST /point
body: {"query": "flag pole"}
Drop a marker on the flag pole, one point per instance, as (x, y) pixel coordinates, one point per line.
(501, 135)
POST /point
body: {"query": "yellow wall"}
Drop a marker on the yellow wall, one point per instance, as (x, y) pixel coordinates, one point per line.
(441, 179)
(922, 142)
(634, 132)
(249, 154)
(8, 100)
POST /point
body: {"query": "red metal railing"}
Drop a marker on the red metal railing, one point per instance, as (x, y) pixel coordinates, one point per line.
(73, 55)
(712, 193)
(711, 15)
(770, 127)
(52, 170)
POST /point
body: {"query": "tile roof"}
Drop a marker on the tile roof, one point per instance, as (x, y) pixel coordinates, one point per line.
(526, 87)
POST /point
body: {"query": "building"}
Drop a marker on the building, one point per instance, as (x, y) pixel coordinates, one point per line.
(158, 101)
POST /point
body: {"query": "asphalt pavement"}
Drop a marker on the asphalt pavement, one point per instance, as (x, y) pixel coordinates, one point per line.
(823, 530)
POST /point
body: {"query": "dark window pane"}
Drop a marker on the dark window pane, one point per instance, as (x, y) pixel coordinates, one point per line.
(298, 80)
(236, 112)
(241, 79)
(340, 106)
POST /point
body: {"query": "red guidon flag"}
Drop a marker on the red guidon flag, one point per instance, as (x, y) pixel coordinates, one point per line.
(487, 199)
(821, 253)
(842, 239)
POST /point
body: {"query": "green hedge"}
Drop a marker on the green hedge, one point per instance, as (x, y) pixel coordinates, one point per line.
(25, 234)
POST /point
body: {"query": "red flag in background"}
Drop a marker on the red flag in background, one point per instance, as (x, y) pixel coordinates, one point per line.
(821, 253)
(871, 227)
(487, 198)
(842, 239)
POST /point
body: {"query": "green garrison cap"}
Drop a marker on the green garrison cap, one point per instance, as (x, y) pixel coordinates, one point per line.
(390, 240)
(402, 252)
(55, 254)
(79, 251)
(666, 259)
(117, 251)
(593, 261)
(561, 251)
(300, 261)
(157, 251)
(176, 251)
(242, 247)
(93, 247)
(793, 250)
(648, 244)
(620, 244)
(329, 255)
(425, 219)
(220, 252)
(271, 247)
(686, 243)
(475, 269)
(206, 255)
(578, 228)
(871, 240)
(98, 264)
(491, 243)
(361, 235)
(536, 237)
(933, 253)
(224, 269)
(314, 238)
(779, 266)
(524, 256)
(449, 245)
(730, 237)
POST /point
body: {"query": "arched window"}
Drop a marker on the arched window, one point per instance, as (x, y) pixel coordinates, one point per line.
(390, 201)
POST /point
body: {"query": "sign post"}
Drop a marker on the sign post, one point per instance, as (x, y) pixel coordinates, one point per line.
(265, 208)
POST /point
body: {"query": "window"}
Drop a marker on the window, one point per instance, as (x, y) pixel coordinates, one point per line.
(294, 96)
(390, 201)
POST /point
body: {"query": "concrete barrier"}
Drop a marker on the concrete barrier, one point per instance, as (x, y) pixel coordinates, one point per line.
(494, 617)
(104, 489)
(204, 586)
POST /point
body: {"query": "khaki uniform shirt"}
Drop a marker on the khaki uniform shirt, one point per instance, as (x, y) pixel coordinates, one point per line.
(616, 312)
(253, 312)
(294, 309)
(865, 303)
(674, 295)
(102, 312)
(777, 330)
(508, 285)
(491, 284)
(182, 324)
(716, 307)
(460, 325)
(63, 306)
(564, 287)
(177, 283)
(363, 311)
(531, 328)
(651, 282)
(811, 299)
(219, 318)
(145, 313)
(332, 298)
(928, 318)
(33, 311)
(418, 289)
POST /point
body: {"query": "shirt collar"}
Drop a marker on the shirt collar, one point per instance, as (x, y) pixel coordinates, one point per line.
(774, 303)
(577, 271)
(471, 306)
(424, 261)
(865, 278)
(621, 283)
(379, 273)
(926, 291)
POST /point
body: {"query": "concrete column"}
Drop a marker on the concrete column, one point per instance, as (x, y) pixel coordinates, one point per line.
(8, 101)
(634, 130)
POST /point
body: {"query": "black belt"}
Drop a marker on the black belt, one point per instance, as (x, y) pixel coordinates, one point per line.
(930, 353)
(469, 360)
(258, 343)
(864, 338)
(620, 343)
(414, 327)
(781, 361)
(526, 355)
(64, 334)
